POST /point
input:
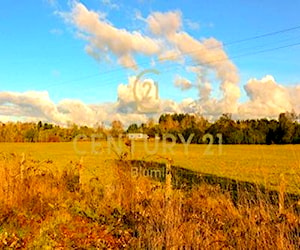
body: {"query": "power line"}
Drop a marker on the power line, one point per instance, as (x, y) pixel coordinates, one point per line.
(241, 40)
(267, 50)
(172, 67)
(242, 55)
(194, 51)
(263, 35)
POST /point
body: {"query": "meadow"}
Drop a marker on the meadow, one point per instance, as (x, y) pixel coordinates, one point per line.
(260, 164)
(75, 196)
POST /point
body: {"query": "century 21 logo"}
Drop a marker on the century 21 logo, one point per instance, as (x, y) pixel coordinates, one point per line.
(145, 101)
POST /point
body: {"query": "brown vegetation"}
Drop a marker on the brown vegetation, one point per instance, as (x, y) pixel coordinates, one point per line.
(42, 208)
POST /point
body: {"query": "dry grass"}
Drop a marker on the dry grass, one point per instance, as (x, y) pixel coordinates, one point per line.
(45, 209)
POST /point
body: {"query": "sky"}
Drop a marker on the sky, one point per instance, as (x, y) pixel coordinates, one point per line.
(93, 62)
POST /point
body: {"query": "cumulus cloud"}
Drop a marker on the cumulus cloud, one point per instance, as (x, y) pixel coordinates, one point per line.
(205, 89)
(208, 53)
(103, 38)
(37, 105)
(182, 83)
(170, 55)
(167, 41)
(164, 39)
(164, 23)
(171, 41)
(31, 103)
(268, 98)
(138, 95)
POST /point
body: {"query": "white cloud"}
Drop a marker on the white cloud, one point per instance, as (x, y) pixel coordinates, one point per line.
(110, 4)
(103, 38)
(192, 25)
(269, 98)
(182, 83)
(164, 23)
(208, 53)
(37, 105)
(31, 103)
(204, 89)
(166, 40)
(170, 55)
(138, 96)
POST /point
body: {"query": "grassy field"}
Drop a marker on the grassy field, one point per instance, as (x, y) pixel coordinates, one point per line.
(262, 164)
(98, 204)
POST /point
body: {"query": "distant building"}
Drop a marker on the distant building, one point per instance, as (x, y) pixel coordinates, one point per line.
(137, 136)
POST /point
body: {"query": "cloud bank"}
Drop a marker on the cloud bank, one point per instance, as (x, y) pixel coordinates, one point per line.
(267, 98)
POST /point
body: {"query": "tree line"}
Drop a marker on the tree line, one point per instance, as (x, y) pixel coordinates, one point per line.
(284, 130)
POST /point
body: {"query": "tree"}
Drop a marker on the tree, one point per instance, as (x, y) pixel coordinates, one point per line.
(116, 128)
(31, 135)
(271, 136)
(133, 128)
(286, 128)
(225, 126)
(39, 125)
(296, 137)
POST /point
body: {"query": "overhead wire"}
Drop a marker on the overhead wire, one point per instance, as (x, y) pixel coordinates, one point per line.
(171, 67)
(117, 69)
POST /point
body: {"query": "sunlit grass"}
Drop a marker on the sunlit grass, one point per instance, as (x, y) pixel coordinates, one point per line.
(260, 164)
(44, 209)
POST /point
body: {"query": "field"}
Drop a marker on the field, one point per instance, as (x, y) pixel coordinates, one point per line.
(73, 196)
(261, 164)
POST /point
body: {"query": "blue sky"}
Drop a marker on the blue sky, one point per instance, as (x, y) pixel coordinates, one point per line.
(43, 49)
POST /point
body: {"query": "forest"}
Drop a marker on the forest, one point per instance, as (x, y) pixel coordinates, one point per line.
(284, 130)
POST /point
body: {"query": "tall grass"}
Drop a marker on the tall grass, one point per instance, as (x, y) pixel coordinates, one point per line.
(41, 208)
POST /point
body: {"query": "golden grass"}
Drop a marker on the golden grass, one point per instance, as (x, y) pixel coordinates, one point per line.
(261, 164)
(45, 209)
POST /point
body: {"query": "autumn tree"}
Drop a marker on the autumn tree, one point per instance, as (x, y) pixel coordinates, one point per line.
(116, 128)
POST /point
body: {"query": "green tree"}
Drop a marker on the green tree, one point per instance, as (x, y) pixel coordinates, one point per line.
(31, 135)
(133, 128)
(286, 128)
